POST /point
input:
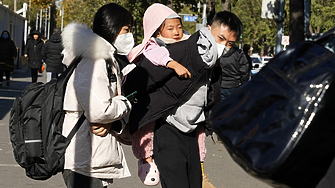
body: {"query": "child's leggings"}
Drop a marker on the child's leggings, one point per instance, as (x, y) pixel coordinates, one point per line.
(143, 141)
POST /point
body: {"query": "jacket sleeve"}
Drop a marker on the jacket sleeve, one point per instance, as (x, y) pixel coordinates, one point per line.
(14, 50)
(26, 50)
(44, 51)
(96, 96)
(244, 68)
(158, 55)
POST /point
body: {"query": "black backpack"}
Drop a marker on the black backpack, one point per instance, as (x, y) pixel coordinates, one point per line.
(280, 127)
(35, 126)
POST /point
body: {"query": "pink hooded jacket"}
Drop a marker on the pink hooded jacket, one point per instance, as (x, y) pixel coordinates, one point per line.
(151, 22)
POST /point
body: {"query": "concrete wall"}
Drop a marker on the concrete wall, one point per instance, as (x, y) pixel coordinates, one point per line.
(14, 23)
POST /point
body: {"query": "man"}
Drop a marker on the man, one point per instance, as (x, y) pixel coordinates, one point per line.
(246, 49)
(234, 63)
(179, 105)
(52, 55)
(33, 52)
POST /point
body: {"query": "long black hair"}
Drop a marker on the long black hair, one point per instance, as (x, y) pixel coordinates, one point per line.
(109, 20)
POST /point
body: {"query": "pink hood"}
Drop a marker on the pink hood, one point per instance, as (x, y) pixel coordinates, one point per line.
(154, 16)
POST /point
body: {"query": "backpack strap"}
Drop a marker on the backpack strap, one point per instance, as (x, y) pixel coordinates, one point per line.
(76, 127)
(82, 118)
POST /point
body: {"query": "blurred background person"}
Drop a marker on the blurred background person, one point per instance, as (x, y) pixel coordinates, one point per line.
(52, 55)
(8, 53)
(246, 49)
(33, 52)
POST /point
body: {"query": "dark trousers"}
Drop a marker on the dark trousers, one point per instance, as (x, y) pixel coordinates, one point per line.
(54, 75)
(34, 75)
(7, 73)
(76, 180)
(225, 92)
(176, 155)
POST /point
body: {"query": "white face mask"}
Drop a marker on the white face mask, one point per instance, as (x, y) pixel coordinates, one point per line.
(124, 43)
(222, 49)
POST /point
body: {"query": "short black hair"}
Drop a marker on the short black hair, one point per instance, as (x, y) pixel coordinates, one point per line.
(109, 20)
(228, 19)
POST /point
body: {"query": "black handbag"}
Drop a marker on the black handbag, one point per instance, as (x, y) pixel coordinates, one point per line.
(280, 127)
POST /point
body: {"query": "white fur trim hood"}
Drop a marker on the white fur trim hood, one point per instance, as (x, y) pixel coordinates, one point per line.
(78, 39)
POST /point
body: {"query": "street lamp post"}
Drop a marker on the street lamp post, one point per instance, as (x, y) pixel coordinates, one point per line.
(280, 30)
(41, 18)
(62, 17)
(204, 18)
(49, 21)
(45, 22)
(36, 22)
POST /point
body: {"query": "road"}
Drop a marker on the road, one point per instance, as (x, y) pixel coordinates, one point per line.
(223, 172)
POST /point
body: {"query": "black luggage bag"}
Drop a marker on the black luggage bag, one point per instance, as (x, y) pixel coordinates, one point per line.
(280, 126)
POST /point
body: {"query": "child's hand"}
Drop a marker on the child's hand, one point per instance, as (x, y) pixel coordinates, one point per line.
(179, 69)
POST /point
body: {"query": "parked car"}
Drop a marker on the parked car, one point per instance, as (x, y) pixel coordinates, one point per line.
(257, 63)
(266, 59)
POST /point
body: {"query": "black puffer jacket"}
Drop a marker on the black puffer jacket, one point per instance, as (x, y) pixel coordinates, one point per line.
(7, 53)
(160, 89)
(235, 68)
(52, 54)
(33, 50)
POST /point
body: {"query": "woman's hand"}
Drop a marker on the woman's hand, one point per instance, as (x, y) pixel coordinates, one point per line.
(100, 129)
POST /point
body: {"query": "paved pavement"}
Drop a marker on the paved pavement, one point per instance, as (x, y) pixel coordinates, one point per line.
(222, 171)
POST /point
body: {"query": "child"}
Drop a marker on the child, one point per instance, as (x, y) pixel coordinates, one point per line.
(161, 26)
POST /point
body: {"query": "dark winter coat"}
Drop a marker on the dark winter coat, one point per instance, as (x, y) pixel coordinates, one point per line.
(34, 51)
(7, 53)
(52, 54)
(160, 89)
(235, 68)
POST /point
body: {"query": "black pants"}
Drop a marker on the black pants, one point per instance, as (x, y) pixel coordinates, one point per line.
(34, 75)
(7, 73)
(76, 180)
(176, 155)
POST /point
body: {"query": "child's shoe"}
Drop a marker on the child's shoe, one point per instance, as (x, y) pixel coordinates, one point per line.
(148, 172)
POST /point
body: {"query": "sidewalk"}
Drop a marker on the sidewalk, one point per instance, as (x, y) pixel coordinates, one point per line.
(222, 171)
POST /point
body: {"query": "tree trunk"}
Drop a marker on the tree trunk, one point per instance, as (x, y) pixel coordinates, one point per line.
(169, 3)
(296, 24)
(268, 51)
(262, 47)
(210, 10)
(226, 5)
(135, 31)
